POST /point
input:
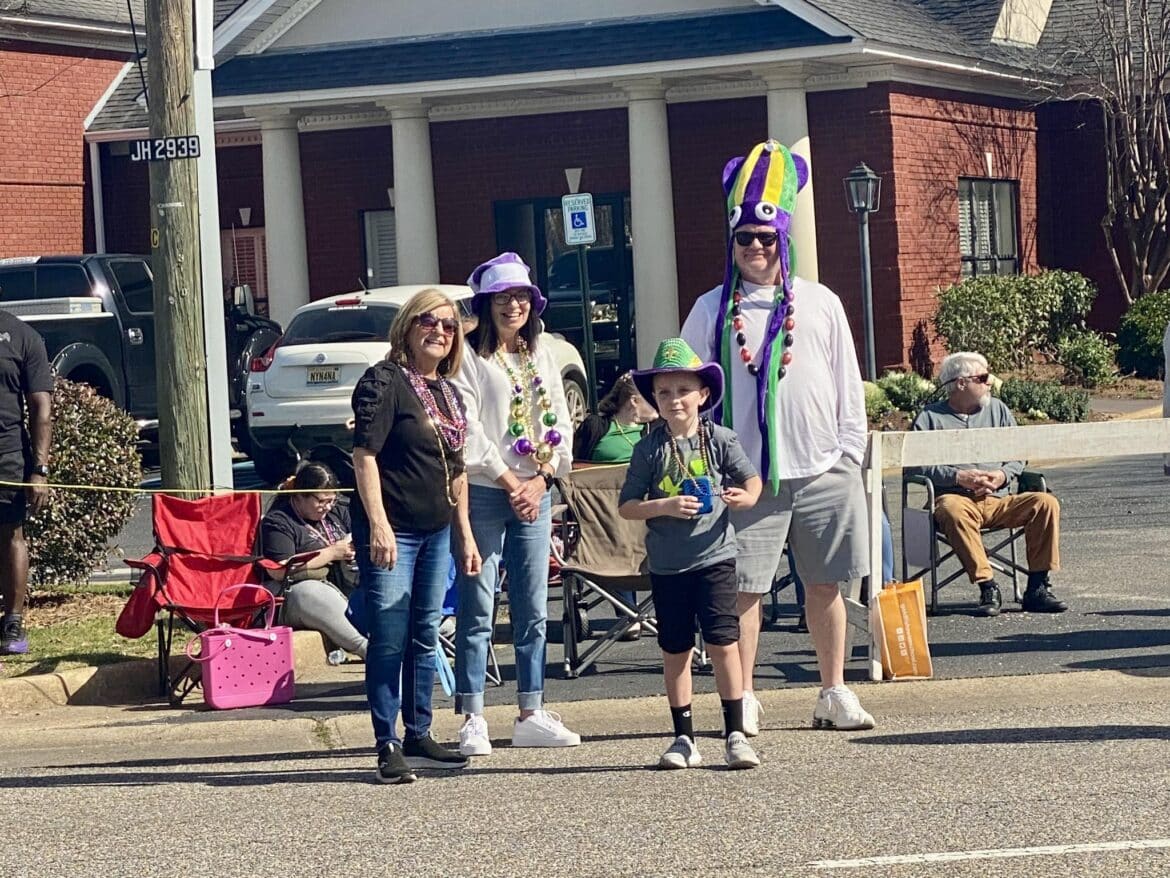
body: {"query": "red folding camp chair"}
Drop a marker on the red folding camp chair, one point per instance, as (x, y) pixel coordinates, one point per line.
(201, 547)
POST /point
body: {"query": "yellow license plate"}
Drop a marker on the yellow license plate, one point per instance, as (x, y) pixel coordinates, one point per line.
(323, 375)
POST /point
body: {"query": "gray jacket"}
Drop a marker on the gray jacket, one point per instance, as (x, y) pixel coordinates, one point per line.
(940, 416)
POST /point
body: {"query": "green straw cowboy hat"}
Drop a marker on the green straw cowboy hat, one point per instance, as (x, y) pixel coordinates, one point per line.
(675, 355)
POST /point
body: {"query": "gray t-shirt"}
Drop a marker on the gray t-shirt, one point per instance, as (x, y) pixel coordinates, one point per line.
(940, 416)
(676, 545)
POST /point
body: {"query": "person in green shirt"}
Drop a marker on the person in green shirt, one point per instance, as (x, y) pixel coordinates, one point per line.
(610, 435)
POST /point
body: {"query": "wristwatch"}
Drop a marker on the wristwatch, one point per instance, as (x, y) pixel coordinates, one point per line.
(41, 469)
(548, 479)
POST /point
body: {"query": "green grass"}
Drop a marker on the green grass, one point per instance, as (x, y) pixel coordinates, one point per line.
(72, 627)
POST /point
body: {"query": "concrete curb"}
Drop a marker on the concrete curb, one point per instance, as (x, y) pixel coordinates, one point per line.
(129, 682)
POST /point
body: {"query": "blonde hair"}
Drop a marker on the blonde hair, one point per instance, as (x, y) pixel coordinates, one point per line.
(425, 302)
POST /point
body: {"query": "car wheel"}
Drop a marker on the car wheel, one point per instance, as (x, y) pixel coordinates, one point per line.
(577, 399)
(273, 466)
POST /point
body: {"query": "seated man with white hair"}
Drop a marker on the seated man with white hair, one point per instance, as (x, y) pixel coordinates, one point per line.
(971, 497)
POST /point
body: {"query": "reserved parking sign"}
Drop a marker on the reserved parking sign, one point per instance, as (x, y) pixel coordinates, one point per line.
(577, 211)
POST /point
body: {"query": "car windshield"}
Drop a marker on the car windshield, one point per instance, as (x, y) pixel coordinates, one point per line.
(366, 322)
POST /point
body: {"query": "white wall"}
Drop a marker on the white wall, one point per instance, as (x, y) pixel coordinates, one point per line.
(342, 21)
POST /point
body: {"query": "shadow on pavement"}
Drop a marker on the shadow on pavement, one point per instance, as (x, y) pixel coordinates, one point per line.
(1052, 735)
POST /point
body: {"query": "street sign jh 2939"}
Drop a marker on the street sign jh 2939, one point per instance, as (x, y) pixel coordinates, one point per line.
(165, 149)
(578, 215)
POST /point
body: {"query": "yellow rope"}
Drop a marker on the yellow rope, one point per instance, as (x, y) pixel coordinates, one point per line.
(221, 490)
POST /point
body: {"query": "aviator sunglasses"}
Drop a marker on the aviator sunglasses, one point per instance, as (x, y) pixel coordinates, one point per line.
(766, 239)
(430, 321)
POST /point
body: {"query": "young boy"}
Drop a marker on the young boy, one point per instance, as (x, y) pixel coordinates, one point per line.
(684, 476)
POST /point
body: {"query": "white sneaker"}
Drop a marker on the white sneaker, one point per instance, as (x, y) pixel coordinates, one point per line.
(838, 708)
(739, 752)
(752, 711)
(681, 754)
(473, 737)
(447, 626)
(543, 729)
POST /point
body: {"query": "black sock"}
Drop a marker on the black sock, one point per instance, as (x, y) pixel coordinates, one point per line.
(732, 715)
(1037, 579)
(681, 717)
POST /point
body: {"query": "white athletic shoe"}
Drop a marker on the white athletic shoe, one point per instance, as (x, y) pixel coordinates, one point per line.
(838, 708)
(543, 729)
(752, 711)
(739, 752)
(473, 737)
(681, 754)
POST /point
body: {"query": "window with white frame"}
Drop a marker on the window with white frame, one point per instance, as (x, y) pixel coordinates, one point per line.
(988, 235)
(381, 248)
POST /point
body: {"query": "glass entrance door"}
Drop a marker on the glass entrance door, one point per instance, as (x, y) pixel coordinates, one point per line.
(535, 230)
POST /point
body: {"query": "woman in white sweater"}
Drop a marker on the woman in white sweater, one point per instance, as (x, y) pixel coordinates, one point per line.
(519, 437)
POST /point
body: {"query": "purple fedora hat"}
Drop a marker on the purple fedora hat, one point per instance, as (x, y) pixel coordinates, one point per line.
(505, 272)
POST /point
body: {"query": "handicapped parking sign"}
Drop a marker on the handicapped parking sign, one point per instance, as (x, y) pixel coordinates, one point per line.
(578, 215)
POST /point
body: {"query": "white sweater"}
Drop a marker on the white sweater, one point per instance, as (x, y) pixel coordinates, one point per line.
(487, 395)
(820, 401)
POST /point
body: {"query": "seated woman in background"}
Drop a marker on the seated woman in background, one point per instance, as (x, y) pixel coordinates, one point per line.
(610, 435)
(315, 592)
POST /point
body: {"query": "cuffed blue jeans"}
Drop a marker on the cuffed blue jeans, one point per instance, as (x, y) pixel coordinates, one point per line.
(403, 605)
(523, 548)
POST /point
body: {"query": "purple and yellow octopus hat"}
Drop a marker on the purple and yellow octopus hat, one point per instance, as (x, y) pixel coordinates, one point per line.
(761, 189)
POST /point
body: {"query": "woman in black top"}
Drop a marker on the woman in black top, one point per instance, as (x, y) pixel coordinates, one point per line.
(409, 430)
(315, 593)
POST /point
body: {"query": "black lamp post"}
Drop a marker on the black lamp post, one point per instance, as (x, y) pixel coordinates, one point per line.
(863, 189)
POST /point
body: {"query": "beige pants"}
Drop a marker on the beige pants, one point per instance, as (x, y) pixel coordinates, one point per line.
(962, 518)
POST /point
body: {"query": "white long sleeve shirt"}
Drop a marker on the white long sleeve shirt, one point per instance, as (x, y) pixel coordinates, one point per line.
(820, 401)
(487, 396)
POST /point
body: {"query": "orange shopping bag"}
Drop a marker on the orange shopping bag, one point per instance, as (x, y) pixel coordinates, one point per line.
(901, 610)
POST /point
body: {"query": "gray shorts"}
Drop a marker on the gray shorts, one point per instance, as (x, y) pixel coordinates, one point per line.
(824, 521)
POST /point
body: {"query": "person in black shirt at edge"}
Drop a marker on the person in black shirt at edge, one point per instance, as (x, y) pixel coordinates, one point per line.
(316, 591)
(409, 430)
(25, 376)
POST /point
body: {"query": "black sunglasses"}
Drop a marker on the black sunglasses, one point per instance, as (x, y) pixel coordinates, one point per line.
(766, 239)
(979, 379)
(430, 321)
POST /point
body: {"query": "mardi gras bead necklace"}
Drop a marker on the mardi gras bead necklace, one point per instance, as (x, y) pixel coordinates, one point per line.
(782, 313)
(450, 432)
(528, 392)
(684, 472)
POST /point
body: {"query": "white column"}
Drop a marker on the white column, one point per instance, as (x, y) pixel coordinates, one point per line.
(788, 123)
(99, 210)
(284, 216)
(416, 231)
(652, 221)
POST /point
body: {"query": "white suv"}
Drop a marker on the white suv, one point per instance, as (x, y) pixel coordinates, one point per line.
(299, 390)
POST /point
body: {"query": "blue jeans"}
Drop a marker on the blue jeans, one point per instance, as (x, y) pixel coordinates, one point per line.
(402, 610)
(523, 548)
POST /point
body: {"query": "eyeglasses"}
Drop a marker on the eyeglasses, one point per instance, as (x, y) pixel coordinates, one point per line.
(325, 500)
(430, 322)
(979, 379)
(522, 297)
(766, 239)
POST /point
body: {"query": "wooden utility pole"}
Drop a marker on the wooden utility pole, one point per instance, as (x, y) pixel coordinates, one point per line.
(174, 214)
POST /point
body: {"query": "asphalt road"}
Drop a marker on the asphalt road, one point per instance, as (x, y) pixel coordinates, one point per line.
(1010, 777)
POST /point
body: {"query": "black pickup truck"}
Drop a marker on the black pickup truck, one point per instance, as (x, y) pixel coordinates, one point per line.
(96, 315)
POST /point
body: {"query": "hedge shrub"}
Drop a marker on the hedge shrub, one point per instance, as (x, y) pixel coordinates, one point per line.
(1140, 336)
(1088, 358)
(1007, 318)
(94, 443)
(876, 401)
(1044, 400)
(908, 391)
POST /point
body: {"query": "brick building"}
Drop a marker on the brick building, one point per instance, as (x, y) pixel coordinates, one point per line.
(359, 144)
(57, 59)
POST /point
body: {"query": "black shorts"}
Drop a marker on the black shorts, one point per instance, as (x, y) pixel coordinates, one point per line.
(707, 595)
(12, 505)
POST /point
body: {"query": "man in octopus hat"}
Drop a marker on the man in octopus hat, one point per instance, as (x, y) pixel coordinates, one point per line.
(795, 398)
